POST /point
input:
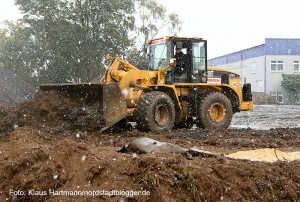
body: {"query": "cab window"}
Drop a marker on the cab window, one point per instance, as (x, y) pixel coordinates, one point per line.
(198, 56)
(159, 55)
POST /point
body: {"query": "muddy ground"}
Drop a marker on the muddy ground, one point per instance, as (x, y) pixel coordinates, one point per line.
(40, 150)
(266, 117)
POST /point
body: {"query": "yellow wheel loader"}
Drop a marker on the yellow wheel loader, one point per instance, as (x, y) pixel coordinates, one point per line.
(165, 94)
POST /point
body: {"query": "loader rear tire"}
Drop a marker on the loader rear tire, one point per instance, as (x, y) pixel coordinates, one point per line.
(155, 112)
(215, 111)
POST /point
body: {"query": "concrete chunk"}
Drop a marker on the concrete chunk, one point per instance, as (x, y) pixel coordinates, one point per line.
(147, 145)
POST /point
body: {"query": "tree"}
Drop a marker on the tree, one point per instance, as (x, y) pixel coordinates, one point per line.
(71, 35)
(17, 50)
(67, 40)
(151, 19)
(291, 82)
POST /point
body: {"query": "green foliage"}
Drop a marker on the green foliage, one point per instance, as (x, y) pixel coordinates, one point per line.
(153, 18)
(67, 40)
(291, 82)
(17, 50)
(271, 100)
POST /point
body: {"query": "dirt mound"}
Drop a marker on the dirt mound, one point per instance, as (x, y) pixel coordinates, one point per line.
(33, 161)
(7, 121)
(52, 110)
(51, 147)
(262, 98)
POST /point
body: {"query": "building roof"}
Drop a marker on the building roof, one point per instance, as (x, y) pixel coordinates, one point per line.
(272, 46)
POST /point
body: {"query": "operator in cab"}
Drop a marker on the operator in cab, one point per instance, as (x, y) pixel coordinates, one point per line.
(180, 59)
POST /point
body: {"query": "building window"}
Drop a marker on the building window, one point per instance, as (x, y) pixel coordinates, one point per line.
(296, 66)
(276, 66)
(253, 67)
(277, 95)
(273, 65)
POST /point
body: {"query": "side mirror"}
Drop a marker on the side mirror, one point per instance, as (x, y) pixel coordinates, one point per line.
(172, 62)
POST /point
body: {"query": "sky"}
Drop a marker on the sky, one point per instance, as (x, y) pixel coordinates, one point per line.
(227, 25)
(8, 10)
(233, 25)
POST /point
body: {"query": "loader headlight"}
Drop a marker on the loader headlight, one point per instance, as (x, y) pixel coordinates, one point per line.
(172, 62)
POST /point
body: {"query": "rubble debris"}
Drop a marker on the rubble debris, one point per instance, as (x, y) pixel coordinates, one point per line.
(145, 145)
(202, 153)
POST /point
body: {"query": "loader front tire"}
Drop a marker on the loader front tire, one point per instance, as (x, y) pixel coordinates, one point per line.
(155, 112)
(215, 111)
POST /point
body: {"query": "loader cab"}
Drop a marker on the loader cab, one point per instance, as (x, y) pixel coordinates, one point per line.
(192, 67)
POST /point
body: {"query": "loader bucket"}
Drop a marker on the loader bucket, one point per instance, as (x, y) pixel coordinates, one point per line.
(107, 96)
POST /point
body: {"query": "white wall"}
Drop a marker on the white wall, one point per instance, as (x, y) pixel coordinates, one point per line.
(251, 71)
(274, 78)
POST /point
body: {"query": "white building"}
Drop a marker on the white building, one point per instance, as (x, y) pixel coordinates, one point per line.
(263, 66)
